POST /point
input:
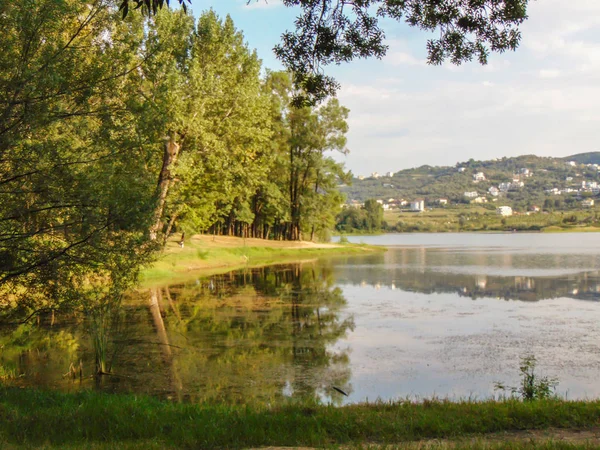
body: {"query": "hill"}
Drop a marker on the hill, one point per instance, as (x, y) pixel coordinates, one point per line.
(585, 158)
(523, 181)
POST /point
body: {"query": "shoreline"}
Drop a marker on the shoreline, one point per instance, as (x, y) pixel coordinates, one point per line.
(204, 255)
(549, 229)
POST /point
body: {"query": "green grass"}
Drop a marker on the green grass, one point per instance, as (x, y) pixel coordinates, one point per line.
(180, 266)
(32, 418)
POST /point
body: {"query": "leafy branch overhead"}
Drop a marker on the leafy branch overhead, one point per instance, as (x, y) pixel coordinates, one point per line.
(337, 31)
(151, 6)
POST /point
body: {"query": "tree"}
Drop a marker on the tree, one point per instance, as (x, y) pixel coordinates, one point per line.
(203, 92)
(374, 214)
(338, 31)
(67, 148)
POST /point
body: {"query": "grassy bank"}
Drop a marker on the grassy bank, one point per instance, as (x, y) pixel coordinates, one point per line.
(207, 255)
(31, 418)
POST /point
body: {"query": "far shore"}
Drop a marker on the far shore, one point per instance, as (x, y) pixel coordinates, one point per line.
(204, 255)
(550, 229)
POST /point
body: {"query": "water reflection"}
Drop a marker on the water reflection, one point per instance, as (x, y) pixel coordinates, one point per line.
(478, 274)
(384, 325)
(263, 335)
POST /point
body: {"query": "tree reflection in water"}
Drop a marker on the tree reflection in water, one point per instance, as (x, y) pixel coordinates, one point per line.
(259, 335)
(480, 274)
(263, 335)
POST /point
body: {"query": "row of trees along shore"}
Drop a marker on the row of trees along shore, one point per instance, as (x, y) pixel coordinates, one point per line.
(115, 133)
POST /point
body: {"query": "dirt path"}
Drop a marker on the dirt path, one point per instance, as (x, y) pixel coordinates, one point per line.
(229, 241)
(565, 436)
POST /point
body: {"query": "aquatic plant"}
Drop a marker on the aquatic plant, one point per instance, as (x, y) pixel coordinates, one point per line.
(532, 386)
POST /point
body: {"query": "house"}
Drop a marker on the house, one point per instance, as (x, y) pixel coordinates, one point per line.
(471, 194)
(479, 200)
(461, 169)
(572, 163)
(515, 185)
(494, 191)
(375, 175)
(534, 208)
(504, 211)
(589, 184)
(361, 177)
(442, 201)
(417, 205)
(389, 174)
(569, 179)
(504, 187)
(479, 176)
(587, 203)
(525, 172)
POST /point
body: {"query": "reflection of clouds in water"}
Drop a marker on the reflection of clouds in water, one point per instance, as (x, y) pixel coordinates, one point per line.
(443, 344)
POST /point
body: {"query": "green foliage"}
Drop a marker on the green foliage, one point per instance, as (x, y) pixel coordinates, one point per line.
(116, 133)
(533, 386)
(369, 218)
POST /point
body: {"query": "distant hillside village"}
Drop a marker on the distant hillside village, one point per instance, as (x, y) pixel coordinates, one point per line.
(525, 184)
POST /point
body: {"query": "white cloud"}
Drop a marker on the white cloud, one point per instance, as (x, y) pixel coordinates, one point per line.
(549, 73)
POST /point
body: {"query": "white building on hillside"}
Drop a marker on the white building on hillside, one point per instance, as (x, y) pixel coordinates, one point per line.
(504, 211)
(417, 205)
(479, 176)
(504, 187)
(494, 191)
(471, 194)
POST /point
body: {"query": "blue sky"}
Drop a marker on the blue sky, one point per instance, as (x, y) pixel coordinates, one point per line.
(543, 99)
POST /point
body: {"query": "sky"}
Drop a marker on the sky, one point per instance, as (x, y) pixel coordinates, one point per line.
(543, 99)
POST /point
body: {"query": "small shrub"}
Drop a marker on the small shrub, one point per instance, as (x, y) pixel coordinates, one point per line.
(343, 240)
(532, 387)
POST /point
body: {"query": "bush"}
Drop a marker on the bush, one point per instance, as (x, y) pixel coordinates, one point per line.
(532, 387)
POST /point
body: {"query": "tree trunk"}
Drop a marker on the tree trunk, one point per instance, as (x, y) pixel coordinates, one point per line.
(169, 228)
(171, 151)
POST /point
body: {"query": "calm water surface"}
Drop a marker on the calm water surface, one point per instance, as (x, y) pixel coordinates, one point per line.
(437, 314)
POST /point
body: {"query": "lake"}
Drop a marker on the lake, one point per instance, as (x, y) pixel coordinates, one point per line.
(444, 315)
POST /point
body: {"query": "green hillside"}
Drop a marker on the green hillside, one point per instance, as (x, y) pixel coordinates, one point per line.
(451, 182)
(585, 158)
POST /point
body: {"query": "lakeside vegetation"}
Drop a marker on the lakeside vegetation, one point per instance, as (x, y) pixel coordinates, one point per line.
(135, 129)
(204, 255)
(468, 218)
(36, 418)
(120, 130)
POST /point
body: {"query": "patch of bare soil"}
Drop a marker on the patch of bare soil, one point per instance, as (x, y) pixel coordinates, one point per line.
(229, 241)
